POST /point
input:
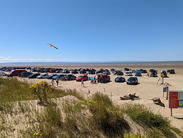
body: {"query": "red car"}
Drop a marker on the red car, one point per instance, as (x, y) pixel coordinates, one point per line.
(52, 70)
(103, 78)
(82, 77)
(15, 73)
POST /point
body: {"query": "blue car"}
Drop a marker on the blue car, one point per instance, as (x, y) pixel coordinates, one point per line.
(58, 76)
(138, 74)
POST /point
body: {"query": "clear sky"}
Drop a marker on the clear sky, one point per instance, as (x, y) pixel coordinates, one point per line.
(91, 30)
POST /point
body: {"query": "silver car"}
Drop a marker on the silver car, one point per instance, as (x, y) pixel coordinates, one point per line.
(43, 76)
(128, 74)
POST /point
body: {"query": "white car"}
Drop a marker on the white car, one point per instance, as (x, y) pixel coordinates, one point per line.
(2, 73)
(128, 74)
(43, 76)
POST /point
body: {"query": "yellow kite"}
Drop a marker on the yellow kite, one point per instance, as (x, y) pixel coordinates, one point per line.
(52, 46)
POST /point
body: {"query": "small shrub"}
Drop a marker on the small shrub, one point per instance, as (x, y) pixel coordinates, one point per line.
(108, 118)
(102, 99)
(40, 89)
(50, 122)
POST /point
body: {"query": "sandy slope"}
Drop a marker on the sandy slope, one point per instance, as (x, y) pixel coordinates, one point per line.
(147, 89)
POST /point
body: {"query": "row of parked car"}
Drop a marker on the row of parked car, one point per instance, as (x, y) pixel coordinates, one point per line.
(101, 77)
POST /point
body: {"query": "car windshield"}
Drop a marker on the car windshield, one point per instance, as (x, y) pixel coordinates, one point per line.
(11, 71)
(80, 76)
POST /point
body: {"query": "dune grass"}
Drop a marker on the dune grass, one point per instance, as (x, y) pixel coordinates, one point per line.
(107, 117)
(94, 117)
(102, 119)
(158, 125)
(12, 90)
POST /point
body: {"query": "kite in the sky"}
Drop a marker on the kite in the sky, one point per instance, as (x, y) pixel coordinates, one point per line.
(52, 46)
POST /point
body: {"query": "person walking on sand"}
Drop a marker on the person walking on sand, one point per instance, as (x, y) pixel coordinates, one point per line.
(94, 80)
(82, 83)
(52, 82)
(57, 81)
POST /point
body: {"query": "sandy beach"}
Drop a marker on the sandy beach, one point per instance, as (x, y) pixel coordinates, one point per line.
(147, 88)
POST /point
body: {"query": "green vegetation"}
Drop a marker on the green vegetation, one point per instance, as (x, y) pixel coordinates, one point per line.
(13, 90)
(133, 136)
(107, 117)
(94, 117)
(158, 125)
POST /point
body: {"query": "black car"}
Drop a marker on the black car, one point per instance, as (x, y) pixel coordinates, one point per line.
(126, 69)
(59, 70)
(100, 71)
(106, 71)
(33, 75)
(66, 71)
(91, 71)
(25, 74)
(51, 76)
(45, 70)
(75, 71)
(143, 71)
(82, 71)
(171, 71)
(119, 79)
(153, 73)
(132, 80)
(70, 77)
(118, 72)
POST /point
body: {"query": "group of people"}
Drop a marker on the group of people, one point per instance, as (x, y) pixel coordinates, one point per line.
(94, 80)
(82, 81)
(57, 81)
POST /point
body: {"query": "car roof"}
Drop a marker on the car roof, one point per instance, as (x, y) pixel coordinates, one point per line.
(133, 78)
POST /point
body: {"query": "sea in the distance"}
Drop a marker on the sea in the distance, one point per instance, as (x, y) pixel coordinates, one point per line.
(153, 63)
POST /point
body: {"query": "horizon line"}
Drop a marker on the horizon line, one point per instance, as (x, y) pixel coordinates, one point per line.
(89, 62)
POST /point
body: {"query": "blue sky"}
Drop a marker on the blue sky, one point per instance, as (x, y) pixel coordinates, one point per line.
(91, 30)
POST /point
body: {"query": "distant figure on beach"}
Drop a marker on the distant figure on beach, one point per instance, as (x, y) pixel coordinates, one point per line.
(148, 74)
(158, 80)
(162, 76)
(57, 81)
(82, 83)
(94, 80)
(52, 82)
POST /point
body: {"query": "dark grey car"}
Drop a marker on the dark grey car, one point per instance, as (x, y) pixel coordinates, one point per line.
(132, 80)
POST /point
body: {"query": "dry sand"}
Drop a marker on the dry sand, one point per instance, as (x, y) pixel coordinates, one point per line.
(146, 89)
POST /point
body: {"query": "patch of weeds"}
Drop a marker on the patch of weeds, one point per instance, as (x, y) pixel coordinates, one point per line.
(134, 136)
(177, 131)
(107, 117)
(75, 94)
(50, 122)
(6, 108)
(23, 107)
(146, 118)
(14, 90)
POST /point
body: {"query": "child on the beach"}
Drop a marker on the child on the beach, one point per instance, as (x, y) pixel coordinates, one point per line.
(82, 83)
